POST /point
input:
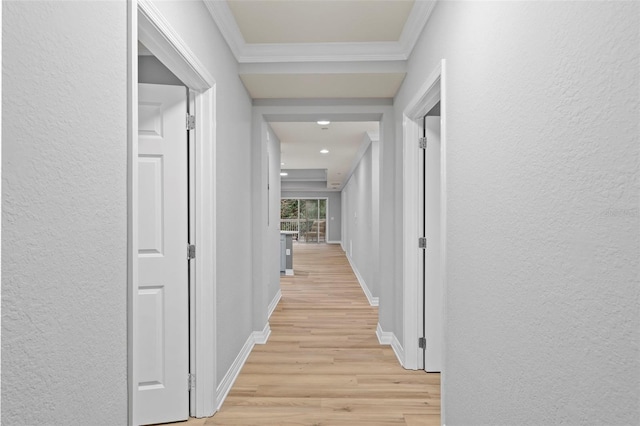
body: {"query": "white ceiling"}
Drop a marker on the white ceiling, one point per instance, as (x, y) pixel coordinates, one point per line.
(314, 21)
(311, 49)
(300, 145)
(266, 31)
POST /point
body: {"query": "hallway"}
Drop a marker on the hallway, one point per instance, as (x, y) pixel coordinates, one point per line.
(323, 364)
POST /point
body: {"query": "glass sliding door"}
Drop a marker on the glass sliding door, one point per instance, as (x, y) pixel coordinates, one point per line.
(306, 217)
(290, 216)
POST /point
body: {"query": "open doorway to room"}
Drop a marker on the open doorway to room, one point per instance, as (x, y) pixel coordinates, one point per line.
(151, 323)
(424, 227)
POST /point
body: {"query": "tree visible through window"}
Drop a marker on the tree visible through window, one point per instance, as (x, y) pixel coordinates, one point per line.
(305, 217)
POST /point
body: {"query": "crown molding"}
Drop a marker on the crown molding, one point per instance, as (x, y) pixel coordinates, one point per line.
(416, 22)
(319, 52)
(224, 19)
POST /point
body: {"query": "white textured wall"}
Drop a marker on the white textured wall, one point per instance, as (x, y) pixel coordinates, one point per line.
(542, 296)
(64, 224)
(192, 21)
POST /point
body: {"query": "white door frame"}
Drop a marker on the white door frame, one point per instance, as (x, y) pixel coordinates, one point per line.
(431, 92)
(146, 23)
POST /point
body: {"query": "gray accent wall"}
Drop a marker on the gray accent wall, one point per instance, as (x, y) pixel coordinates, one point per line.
(542, 324)
(64, 213)
(334, 210)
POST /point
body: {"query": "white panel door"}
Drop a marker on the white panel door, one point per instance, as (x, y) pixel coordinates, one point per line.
(161, 348)
(433, 280)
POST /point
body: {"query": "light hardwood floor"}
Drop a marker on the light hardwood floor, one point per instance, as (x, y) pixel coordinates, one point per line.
(323, 364)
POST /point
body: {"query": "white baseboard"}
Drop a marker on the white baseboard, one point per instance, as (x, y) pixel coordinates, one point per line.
(257, 337)
(274, 303)
(334, 242)
(229, 379)
(373, 301)
(261, 337)
(288, 272)
(389, 338)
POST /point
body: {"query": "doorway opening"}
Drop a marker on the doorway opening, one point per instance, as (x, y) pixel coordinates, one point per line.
(147, 26)
(424, 227)
(429, 222)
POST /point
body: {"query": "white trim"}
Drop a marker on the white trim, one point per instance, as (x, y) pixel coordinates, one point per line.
(132, 202)
(411, 303)
(443, 228)
(261, 337)
(274, 303)
(425, 98)
(334, 242)
(289, 272)
(373, 301)
(320, 52)
(420, 14)
(232, 374)
(205, 263)
(389, 338)
(147, 25)
(163, 41)
(227, 25)
(255, 338)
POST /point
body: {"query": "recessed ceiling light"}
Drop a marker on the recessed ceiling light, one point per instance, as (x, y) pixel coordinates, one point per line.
(323, 122)
(324, 151)
(284, 174)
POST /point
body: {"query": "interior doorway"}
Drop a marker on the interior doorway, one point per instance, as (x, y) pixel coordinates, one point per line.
(147, 25)
(424, 227)
(430, 207)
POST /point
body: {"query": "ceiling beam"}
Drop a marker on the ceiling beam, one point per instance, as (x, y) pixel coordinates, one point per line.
(320, 52)
(342, 67)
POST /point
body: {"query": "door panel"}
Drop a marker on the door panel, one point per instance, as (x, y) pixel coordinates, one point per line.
(150, 219)
(161, 322)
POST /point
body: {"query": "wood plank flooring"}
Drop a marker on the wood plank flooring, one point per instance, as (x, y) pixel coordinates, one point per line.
(323, 364)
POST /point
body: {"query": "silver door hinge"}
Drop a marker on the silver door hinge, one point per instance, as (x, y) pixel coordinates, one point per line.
(422, 242)
(422, 143)
(191, 251)
(422, 343)
(192, 382)
(191, 122)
